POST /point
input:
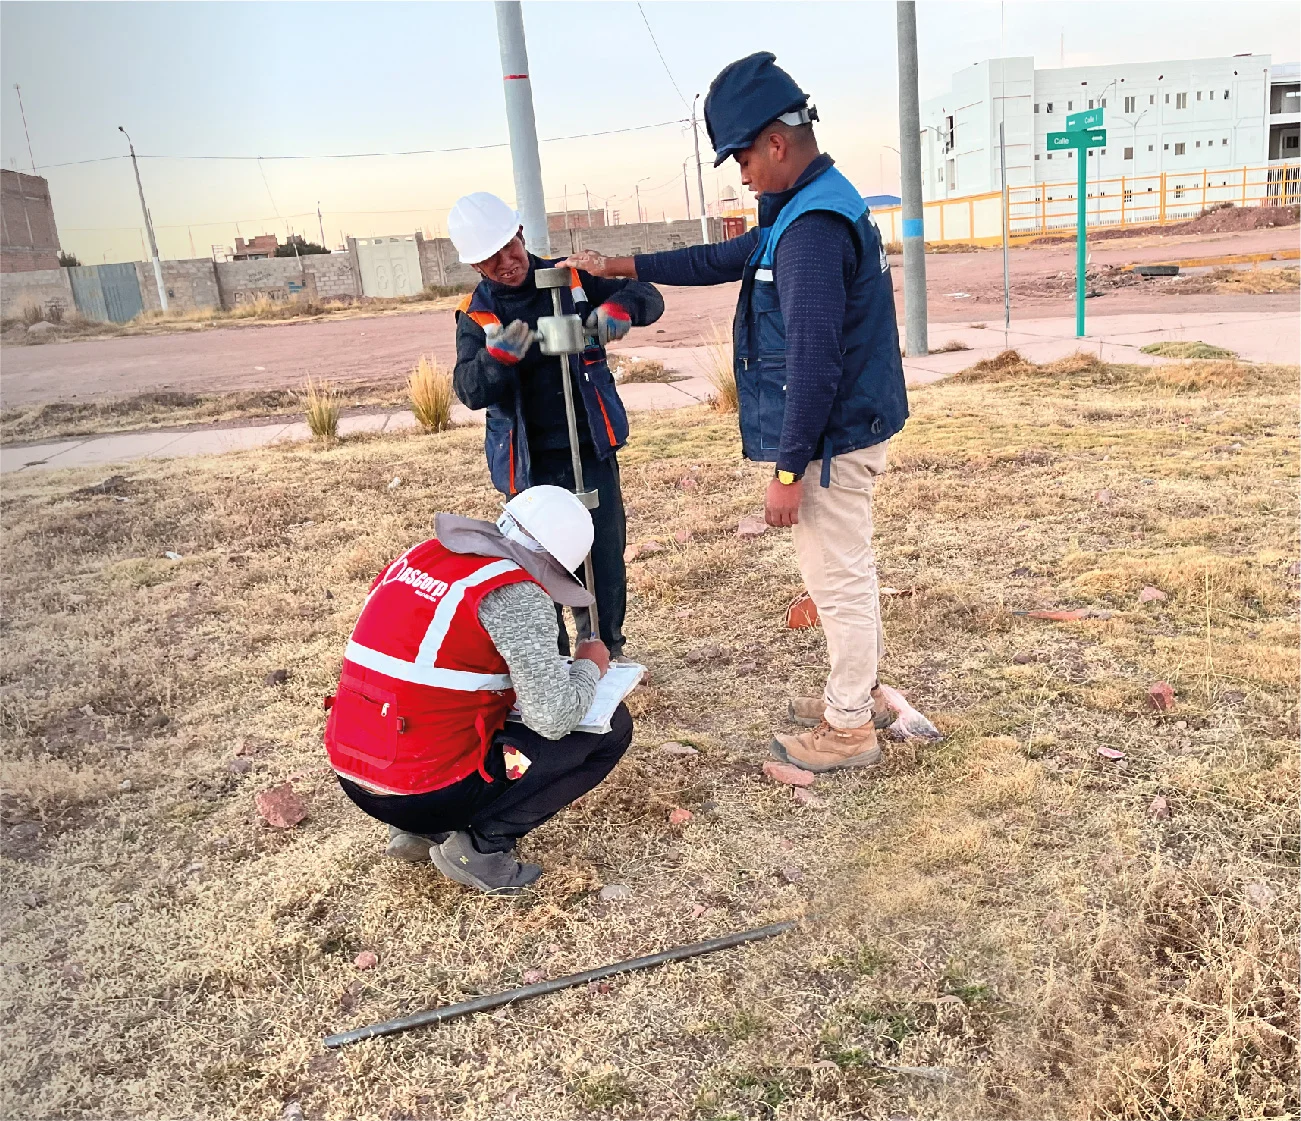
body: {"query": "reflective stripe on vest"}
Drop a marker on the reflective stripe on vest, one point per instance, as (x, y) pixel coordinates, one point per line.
(423, 671)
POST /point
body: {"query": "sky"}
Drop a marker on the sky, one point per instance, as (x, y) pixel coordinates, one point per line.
(258, 79)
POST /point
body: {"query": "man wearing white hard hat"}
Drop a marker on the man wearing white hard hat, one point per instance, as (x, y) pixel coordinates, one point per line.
(452, 634)
(501, 369)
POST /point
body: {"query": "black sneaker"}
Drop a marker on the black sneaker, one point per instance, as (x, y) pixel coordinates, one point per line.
(497, 873)
(412, 847)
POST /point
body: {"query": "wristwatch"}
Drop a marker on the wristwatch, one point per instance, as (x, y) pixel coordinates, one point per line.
(786, 478)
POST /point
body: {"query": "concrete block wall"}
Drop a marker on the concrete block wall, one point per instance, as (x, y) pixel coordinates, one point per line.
(37, 288)
(332, 276)
(440, 265)
(317, 276)
(191, 285)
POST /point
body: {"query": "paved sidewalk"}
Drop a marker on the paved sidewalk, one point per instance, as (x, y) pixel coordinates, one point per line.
(1258, 337)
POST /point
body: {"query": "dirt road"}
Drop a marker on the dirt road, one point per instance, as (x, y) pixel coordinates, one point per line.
(277, 356)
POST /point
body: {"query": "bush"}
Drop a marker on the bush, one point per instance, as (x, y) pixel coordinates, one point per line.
(33, 313)
(68, 261)
(321, 408)
(721, 374)
(54, 313)
(430, 389)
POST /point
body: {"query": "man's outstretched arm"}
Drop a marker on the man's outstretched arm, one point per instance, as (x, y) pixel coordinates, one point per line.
(692, 266)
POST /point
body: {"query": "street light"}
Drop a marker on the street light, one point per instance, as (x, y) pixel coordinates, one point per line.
(149, 224)
(636, 189)
(686, 191)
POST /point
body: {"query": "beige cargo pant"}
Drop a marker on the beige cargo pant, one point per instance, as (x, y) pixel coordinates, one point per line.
(833, 541)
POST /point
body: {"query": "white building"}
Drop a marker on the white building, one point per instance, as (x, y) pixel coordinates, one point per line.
(1179, 118)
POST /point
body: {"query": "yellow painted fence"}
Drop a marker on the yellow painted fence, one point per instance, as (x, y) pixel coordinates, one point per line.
(1130, 200)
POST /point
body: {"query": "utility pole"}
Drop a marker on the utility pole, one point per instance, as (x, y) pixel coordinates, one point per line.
(522, 126)
(700, 176)
(149, 223)
(1007, 279)
(686, 191)
(588, 196)
(28, 135)
(321, 222)
(910, 185)
(636, 189)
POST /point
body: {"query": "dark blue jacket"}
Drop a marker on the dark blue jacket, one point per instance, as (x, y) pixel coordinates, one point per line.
(815, 341)
(524, 401)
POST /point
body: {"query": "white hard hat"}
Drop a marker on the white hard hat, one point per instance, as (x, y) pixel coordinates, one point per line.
(555, 519)
(479, 225)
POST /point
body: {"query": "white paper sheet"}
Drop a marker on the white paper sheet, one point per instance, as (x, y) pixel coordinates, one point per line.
(619, 680)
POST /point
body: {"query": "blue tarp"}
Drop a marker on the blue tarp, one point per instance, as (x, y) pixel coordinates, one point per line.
(882, 200)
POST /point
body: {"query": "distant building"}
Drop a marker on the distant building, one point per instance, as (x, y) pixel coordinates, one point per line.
(256, 249)
(874, 201)
(1209, 114)
(30, 238)
(576, 219)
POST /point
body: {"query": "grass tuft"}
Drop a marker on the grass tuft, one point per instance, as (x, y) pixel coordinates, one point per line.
(320, 403)
(1188, 349)
(721, 373)
(429, 386)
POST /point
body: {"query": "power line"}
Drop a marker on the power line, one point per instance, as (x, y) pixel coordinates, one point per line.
(377, 155)
(661, 54)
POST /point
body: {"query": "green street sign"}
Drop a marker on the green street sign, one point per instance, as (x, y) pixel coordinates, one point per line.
(1097, 138)
(1090, 119)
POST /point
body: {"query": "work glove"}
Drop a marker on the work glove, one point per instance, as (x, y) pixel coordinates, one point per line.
(609, 322)
(510, 343)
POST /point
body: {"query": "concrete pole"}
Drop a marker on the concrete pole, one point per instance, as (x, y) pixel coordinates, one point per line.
(686, 191)
(522, 126)
(1007, 281)
(149, 223)
(588, 196)
(910, 186)
(700, 176)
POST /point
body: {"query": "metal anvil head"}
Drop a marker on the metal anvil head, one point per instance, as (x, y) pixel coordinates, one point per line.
(561, 334)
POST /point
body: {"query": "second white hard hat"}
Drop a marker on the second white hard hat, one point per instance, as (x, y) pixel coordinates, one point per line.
(479, 225)
(555, 519)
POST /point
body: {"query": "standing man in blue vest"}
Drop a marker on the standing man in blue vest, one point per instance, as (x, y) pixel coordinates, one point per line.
(820, 380)
(501, 368)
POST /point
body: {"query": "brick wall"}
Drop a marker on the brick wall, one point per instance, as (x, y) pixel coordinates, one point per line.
(36, 287)
(440, 265)
(191, 285)
(30, 239)
(320, 276)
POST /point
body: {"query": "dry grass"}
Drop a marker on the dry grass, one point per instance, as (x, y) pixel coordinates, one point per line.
(990, 928)
(950, 346)
(1252, 282)
(1187, 349)
(429, 386)
(320, 402)
(628, 370)
(721, 372)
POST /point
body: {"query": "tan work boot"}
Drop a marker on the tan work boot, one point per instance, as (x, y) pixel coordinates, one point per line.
(828, 749)
(808, 712)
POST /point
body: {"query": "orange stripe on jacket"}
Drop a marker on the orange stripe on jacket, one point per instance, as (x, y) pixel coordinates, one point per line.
(609, 428)
(484, 319)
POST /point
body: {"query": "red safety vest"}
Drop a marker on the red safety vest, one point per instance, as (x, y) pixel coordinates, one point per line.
(423, 689)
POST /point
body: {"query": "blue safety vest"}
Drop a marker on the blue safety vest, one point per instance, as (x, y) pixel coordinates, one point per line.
(871, 404)
(506, 441)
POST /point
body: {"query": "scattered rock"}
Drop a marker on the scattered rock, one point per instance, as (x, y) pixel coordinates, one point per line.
(367, 959)
(1161, 696)
(631, 553)
(276, 677)
(1294, 569)
(744, 669)
(124, 785)
(802, 613)
(1233, 697)
(533, 976)
(1021, 571)
(791, 874)
(350, 996)
(292, 1112)
(42, 330)
(172, 556)
(688, 483)
(698, 910)
(787, 774)
(649, 548)
(682, 536)
(114, 484)
(239, 765)
(395, 482)
(680, 816)
(1023, 659)
(1259, 894)
(329, 594)
(158, 720)
(807, 798)
(613, 893)
(194, 868)
(1159, 810)
(711, 651)
(280, 807)
(751, 526)
(1111, 753)
(675, 748)
(1152, 595)
(599, 988)
(1103, 497)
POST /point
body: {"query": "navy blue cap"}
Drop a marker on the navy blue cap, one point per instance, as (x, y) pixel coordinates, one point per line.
(746, 97)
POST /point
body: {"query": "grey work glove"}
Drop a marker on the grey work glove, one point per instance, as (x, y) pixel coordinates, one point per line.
(510, 343)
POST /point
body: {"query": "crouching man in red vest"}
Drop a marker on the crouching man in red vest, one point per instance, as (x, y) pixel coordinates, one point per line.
(453, 633)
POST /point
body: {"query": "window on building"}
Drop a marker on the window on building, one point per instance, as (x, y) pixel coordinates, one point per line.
(1036, 155)
(1224, 143)
(1226, 95)
(1211, 94)
(1129, 153)
(1181, 101)
(1036, 106)
(1070, 153)
(1129, 196)
(1129, 104)
(1179, 149)
(1049, 107)
(1179, 190)
(1167, 99)
(1291, 141)
(1103, 103)
(1104, 151)
(1149, 147)
(1199, 143)
(1050, 155)
(1069, 106)
(1151, 99)
(1090, 103)
(1166, 148)
(1199, 95)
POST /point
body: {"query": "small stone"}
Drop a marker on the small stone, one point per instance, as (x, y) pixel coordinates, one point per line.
(1111, 753)
(1234, 697)
(709, 652)
(802, 613)
(395, 482)
(698, 910)
(599, 988)
(1021, 571)
(787, 774)
(688, 483)
(292, 1112)
(1152, 595)
(1159, 810)
(1103, 497)
(367, 959)
(158, 720)
(750, 527)
(1161, 696)
(124, 785)
(533, 976)
(280, 807)
(650, 548)
(1259, 894)
(329, 594)
(807, 798)
(1023, 659)
(276, 677)
(792, 874)
(194, 868)
(744, 669)
(682, 536)
(1294, 569)
(239, 766)
(631, 553)
(675, 748)
(680, 816)
(613, 893)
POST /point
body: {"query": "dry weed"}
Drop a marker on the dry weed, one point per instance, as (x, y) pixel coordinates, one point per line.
(429, 387)
(721, 372)
(1188, 349)
(321, 408)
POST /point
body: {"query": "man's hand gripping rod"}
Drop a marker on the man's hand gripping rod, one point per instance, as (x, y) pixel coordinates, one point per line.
(563, 335)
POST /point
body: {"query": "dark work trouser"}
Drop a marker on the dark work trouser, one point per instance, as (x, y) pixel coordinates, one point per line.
(611, 537)
(497, 813)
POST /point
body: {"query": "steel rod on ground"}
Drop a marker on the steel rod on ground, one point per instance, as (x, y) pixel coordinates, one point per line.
(510, 996)
(522, 126)
(910, 187)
